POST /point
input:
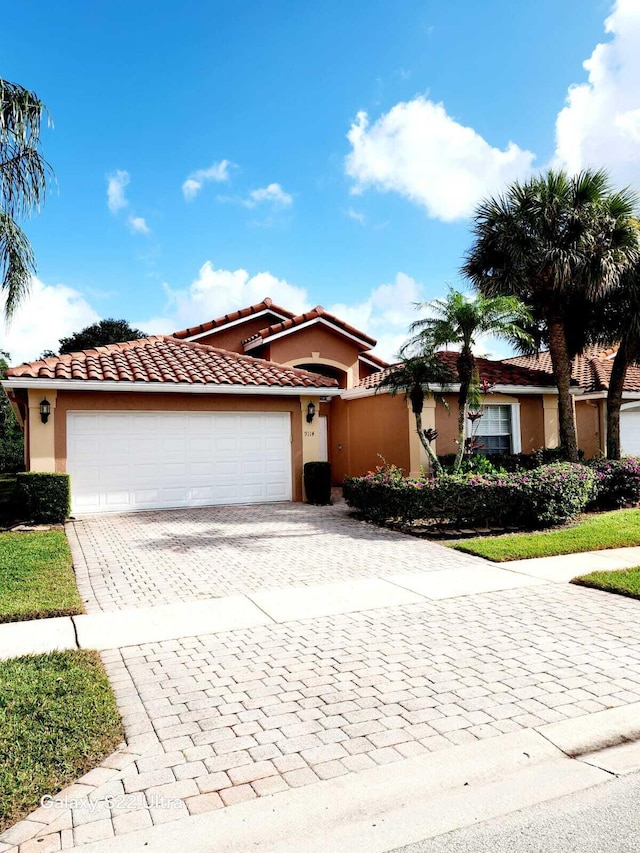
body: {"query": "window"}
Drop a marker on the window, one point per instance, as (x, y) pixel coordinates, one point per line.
(494, 430)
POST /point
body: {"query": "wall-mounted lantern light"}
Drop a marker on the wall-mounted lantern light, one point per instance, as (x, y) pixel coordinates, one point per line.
(311, 412)
(45, 410)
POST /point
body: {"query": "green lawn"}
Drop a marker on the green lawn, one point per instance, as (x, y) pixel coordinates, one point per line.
(619, 529)
(623, 581)
(58, 719)
(36, 577)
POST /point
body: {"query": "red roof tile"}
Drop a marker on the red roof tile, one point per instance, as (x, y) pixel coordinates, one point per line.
(165, 359)
(495, 372)
(315, 314)
(218, 323)
(591, 370)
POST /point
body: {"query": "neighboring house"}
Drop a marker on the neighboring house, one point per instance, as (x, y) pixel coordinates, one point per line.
(229, 411)
(590, 374)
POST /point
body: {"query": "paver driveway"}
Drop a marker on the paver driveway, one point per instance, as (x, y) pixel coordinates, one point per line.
(146, 558)
(216, 719)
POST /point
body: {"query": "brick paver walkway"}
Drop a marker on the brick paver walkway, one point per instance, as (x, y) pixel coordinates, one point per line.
(219, 719)
(146, 558)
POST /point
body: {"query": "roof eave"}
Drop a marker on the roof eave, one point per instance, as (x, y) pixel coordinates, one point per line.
(170, 387)
(253, 343)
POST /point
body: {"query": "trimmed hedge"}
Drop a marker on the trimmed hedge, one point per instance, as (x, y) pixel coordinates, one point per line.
(44, 497)
(546, 496)
(317, 482)
(617, 482)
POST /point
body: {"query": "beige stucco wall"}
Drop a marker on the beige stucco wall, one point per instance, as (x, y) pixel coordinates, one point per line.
(41, 437)
(158, 402)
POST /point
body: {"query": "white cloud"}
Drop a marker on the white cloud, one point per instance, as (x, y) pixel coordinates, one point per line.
(600, 124)
(116, 184)
(356, 216)
(385, 314)
(273, 194)
(217, 173)
(420, 152)
(138, 225)
(51, 312)
(215, 292)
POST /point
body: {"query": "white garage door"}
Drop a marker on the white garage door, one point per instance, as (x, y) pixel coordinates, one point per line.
(630, 432)
(122, 461)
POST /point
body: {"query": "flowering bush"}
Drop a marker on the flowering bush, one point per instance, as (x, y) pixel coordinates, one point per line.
(551, 494)
(617, 483)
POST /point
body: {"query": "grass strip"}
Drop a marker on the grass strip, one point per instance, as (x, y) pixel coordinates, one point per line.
(621, 581)
(58, 719)
(618, 529)
(36, 576)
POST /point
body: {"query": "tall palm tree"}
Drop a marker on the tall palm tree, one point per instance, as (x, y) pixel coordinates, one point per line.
(549, 241)
(615, 321)
(413, 377)
(24, 175)
(460, 320)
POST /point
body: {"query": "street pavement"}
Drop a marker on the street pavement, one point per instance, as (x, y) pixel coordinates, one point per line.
(603, 819)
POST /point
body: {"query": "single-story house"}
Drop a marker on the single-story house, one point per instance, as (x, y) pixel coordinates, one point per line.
(230, 410)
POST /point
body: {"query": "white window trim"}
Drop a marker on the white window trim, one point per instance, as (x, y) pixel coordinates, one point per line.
(516, 432)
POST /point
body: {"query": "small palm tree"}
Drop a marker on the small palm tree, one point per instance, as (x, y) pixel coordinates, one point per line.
(553, 241)
(413, 377)
(24, 176)
(460, 320)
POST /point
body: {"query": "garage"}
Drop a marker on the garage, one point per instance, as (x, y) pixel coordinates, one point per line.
(123, 461)
(630, 429)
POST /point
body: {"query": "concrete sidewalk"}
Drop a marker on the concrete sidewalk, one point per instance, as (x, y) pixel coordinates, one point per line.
(119, 628)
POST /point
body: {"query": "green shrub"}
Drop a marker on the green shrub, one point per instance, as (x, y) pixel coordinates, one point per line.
(44, 497)
(510, 462)
(317, 482)
(546, 496)
(617, 482)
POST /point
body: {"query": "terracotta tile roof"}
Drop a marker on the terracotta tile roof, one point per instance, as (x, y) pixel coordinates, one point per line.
(315, 314)
(165, 359)
(495, 372)
(591, 370)
(209, 326)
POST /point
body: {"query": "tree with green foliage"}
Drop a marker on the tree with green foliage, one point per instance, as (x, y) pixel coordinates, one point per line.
(24, 176)
(460, 320)
(554, 241)
(615, 322)
(99, 335)
(413, 377)
(11, 435)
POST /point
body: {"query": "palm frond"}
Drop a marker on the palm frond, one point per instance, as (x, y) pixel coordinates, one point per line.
(17, 263)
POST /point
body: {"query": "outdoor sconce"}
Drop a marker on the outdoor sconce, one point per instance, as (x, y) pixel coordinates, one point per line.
(311, 412)
(45, 410)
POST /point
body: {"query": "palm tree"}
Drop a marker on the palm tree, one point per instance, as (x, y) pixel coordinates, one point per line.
(550, 241)
(24, 176)
(615, 321)
(460, 320)
(413, 377)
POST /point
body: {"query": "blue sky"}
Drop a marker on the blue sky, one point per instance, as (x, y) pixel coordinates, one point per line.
(335, 150)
